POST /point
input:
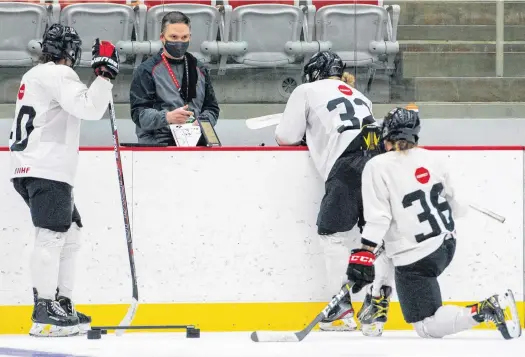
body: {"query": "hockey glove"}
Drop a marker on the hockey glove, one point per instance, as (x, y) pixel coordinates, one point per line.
(105, 59)
(361, 268)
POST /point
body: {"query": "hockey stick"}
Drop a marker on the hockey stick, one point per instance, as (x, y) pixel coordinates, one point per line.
(487, 212)
(264, 121)
(126, 321)
(285, 336)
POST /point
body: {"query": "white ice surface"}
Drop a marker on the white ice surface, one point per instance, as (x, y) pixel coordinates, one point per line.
(319, 344)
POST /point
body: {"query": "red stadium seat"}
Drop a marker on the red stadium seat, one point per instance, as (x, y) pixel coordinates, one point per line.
(236, 3)
(64, 3)
(151, 3)
(321, 3)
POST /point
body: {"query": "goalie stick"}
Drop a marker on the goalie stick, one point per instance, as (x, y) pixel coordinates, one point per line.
(126, 321)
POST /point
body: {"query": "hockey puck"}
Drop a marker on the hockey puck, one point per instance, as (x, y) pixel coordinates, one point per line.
(94, 335)
(193, 333)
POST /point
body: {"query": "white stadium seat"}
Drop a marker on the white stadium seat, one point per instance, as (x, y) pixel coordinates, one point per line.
(226, 34)
(22, 25)
(113, 21)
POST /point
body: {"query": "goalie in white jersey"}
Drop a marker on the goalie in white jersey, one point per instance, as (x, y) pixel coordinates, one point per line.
(410, 203)
(337, 122)
(44, 145)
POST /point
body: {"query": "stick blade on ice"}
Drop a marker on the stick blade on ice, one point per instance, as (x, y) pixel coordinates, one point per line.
(130, 315)
(271, 336)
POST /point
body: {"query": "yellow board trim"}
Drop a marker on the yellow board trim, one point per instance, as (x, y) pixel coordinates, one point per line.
(210, 317)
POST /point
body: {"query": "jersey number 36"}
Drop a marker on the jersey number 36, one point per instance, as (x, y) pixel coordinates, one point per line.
(427, 215)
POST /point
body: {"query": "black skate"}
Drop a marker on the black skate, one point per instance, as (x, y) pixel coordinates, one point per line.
(374, 313)
(84, 321)
(50, 320)
(493, 310)
(340, 318)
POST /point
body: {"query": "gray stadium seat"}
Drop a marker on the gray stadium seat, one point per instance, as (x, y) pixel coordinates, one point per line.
(22, 26)
(205, 21)
(113, 22)
(267, 28)
(362, 35)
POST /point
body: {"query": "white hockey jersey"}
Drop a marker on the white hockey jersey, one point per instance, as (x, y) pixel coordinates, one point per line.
(320, 109)
(410, 202)
(45, 135)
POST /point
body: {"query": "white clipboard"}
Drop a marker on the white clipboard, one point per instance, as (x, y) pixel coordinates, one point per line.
(186, 134)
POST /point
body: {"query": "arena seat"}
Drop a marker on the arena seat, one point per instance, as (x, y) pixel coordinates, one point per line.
(322, 3)
(110, 20)
(362, 35)
(22, 25)
(272, 31)
(205, 20)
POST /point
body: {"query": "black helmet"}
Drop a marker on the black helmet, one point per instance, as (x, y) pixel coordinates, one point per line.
(323, 65)
(401, 124)
(62, 42)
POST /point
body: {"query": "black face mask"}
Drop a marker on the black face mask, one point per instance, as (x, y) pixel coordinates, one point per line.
(176, 49)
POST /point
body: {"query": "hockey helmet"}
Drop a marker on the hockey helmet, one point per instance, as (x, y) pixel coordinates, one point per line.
(323, 65)
(62, 42)
(401, 124)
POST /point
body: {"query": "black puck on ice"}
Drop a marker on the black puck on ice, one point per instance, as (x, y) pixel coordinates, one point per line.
(94, 334)
(193, 333)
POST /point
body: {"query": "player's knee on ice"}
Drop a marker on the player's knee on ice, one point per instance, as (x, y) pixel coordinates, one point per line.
(447, 320)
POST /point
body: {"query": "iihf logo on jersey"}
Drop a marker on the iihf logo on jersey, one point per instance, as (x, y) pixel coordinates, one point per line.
(22, 170)
(21, 91)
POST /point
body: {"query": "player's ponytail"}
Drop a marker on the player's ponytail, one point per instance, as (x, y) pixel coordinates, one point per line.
(403, 145)
(348, 79)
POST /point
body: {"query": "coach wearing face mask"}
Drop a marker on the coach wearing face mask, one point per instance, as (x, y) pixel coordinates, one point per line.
(171, 87)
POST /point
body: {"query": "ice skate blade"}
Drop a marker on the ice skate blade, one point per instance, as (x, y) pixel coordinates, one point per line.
(48, 330)
(373, 330)
(84, 328)
(338, 326)
(514, 324)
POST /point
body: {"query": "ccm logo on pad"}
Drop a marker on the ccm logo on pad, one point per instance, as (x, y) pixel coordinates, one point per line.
(362, 259)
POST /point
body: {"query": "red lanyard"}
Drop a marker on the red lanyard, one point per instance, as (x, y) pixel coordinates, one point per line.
(170, 71)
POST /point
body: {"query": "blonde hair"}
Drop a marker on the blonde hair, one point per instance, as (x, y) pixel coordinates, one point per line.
(347, 78)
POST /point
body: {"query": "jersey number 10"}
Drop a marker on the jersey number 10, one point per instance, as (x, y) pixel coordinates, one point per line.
(22, 132)
(427, 215)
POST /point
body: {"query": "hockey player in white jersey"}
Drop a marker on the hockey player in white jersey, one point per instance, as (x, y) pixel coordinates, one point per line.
(44, 145)
(410, 203)
(341, 136)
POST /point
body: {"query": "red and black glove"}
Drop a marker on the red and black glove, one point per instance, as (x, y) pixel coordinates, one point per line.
(361, 268)
(105, 59)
